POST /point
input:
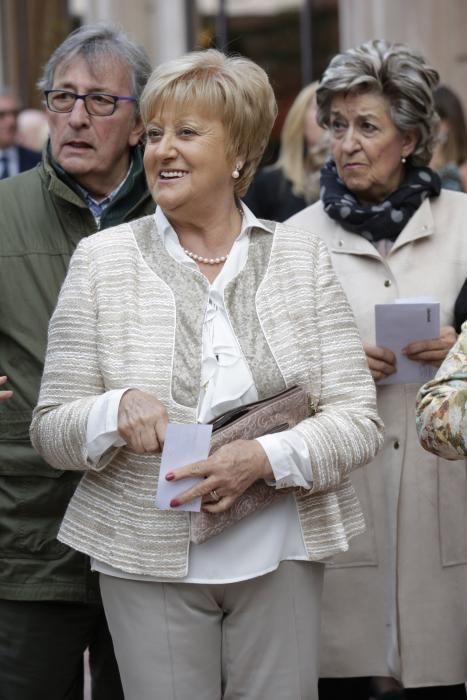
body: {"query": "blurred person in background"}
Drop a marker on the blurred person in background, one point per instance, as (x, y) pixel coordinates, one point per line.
(91, 177)
(450, 152)
(33, 129)
(282, 189)
(450, 159)
(396, 604)
(14, 158)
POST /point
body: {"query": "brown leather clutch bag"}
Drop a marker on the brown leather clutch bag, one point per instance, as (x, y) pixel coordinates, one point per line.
(279, 412)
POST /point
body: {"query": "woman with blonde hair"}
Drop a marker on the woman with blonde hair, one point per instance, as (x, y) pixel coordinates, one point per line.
(281, 190)
(450, 152)
(177, 318)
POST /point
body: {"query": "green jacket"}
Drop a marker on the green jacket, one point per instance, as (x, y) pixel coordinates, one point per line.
(42, 219)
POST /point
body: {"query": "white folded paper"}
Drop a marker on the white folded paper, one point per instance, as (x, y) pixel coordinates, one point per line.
(404, 322)
(184, 444)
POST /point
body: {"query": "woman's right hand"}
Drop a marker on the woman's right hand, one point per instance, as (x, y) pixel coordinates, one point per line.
(381, 361)
(142, 421)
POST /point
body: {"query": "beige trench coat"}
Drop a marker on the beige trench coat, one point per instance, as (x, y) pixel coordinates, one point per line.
(397, 601)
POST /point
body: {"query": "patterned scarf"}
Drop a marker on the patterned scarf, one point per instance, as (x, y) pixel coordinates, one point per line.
(382, 220)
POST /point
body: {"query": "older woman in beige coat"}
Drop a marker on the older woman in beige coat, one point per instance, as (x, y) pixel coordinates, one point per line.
(177, 318)
(396, 603)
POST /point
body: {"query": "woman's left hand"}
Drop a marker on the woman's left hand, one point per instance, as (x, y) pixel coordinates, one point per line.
(227, 474)
(432, 351)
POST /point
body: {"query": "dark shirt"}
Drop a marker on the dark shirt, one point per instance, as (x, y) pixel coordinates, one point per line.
(27, 158)
(271, 197)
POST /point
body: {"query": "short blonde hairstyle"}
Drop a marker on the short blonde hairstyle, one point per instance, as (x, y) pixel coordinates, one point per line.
(395, 72)
(232, 88)
(296, 158)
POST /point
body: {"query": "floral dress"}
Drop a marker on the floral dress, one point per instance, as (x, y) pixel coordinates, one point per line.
(442, 405)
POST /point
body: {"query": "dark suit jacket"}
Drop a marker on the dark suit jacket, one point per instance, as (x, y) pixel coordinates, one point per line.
(27, 158)
(271, 197)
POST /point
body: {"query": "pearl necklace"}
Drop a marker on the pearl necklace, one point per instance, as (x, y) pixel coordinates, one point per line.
(210, 261)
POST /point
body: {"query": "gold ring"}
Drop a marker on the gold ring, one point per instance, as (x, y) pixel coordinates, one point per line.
(214, 495)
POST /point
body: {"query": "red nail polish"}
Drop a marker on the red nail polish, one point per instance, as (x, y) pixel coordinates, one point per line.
(174, 503)
(169, 476)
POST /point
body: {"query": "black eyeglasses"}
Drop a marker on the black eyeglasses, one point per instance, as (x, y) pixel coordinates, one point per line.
(98, 104)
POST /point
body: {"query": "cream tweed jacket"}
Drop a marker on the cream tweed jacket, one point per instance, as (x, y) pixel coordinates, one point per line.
(130, 315)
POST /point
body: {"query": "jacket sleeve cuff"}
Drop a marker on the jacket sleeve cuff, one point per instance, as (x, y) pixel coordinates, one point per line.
(289, 459)
(102, 428)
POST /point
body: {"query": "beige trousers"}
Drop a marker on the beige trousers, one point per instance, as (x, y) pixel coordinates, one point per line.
(255, 639)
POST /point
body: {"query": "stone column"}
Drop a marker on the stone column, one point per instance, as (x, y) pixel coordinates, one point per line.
(29, 32)
(436, 27)
(158, 25)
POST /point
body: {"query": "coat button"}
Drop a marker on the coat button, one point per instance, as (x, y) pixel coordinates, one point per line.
(396, 444)
(387, 283)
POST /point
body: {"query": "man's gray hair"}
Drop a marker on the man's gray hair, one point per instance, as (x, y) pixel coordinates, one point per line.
(94, 42)
(395, 72)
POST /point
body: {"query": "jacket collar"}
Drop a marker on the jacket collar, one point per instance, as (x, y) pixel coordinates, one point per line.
(421, 225)
(133, 192)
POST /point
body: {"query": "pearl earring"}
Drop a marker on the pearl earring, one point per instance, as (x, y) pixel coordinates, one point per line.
(236, 172)
(404, 160)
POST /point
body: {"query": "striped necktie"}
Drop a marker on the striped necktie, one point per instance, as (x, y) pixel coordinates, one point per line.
(4, 167)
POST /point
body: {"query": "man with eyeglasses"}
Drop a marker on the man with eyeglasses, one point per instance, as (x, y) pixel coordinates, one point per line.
(91, 177)
(14, 159)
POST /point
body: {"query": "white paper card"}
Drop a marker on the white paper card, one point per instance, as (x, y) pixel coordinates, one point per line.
(401, 323)
(414, 300)
(184, 444)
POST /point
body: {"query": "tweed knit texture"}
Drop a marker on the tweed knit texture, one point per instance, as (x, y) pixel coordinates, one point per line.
(116, 324)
